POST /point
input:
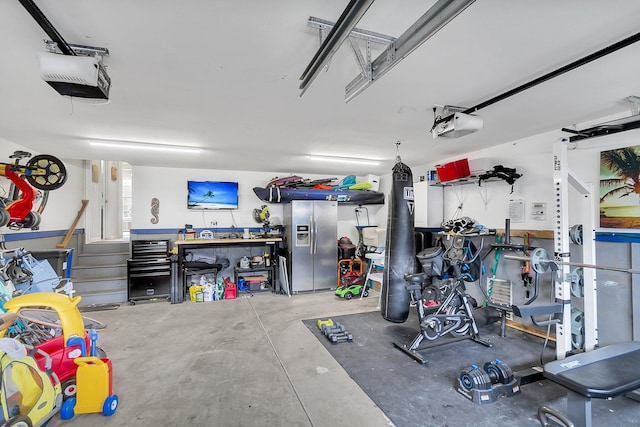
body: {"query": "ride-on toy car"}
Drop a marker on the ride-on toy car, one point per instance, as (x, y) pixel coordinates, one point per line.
(64, 348)
(349, 291)
(29, 396)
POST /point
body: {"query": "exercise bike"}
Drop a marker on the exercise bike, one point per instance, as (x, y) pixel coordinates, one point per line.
(42, 172)
(443, 308)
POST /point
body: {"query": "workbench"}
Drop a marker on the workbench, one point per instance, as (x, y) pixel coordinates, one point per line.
(272, 245)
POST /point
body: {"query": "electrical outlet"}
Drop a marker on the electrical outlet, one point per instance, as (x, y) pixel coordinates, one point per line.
(214, 223)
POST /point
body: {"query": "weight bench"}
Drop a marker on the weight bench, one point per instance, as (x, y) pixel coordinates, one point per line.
(603, 373)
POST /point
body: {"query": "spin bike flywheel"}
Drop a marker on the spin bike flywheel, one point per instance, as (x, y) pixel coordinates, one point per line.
(462, 327)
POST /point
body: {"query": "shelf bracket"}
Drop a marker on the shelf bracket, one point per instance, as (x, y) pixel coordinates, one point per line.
(485, 196)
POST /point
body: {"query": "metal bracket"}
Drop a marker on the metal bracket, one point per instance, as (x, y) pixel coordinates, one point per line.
(357, 33)
(79, 49)
(363, 60)
(365, 64)
(635, 104)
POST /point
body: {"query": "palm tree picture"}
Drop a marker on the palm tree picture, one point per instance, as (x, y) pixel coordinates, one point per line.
(620, 188)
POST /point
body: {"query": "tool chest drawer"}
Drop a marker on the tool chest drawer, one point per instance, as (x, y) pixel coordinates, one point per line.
(149, 249)
(149, 270)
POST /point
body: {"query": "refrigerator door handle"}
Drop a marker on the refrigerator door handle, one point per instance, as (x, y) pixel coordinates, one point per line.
(312, 235)
(315, 236)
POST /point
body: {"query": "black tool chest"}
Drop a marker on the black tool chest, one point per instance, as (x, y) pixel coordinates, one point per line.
(149, 270)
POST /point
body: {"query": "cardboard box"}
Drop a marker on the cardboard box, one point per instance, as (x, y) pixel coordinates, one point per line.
(255, 279)
(254, 282)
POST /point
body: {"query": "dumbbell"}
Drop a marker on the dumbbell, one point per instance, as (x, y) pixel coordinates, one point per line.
(475, 378)
(335, 329)
(322, 323)
(341, 337)
(499, 372)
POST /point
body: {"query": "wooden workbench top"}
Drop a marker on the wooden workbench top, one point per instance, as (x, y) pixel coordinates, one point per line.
(228, 241)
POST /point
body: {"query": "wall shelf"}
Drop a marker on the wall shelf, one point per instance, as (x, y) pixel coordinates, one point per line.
(472, 179)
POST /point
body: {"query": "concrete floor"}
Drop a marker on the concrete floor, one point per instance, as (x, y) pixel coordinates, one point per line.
(244, 362)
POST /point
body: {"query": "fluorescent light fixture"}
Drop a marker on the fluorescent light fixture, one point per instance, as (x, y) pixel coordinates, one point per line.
(145, 146)
(345, 160)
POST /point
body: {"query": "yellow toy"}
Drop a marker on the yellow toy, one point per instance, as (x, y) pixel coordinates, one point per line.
(66, 308)
(28, 395)
(94, 386)
(73, 342)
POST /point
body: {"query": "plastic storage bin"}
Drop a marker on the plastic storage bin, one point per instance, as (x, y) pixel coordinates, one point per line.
(453, 170)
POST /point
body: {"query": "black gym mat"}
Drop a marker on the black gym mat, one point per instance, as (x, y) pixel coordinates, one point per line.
(411, 394)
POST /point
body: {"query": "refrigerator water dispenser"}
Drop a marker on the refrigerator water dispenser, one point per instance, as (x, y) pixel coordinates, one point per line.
(302, 235)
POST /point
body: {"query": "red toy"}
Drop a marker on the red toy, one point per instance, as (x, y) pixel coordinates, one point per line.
(42, 172)
(63, 349)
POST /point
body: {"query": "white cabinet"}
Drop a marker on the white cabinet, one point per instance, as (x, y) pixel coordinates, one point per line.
(429, 204)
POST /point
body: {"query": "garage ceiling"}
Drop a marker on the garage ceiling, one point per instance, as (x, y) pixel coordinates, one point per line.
(224, 76)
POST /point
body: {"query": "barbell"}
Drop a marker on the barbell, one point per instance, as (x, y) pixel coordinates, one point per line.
(540, 263)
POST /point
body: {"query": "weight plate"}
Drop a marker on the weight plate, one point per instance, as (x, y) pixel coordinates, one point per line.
(575, 234)
(431, 293)
(539, 260)
(577, 328)
(577, 283)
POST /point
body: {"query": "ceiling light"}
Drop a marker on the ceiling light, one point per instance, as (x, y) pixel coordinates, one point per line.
(145, 146)
(345, 160)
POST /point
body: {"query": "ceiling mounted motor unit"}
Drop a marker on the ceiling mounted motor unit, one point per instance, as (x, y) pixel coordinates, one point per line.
(456, 125)
(74, 75)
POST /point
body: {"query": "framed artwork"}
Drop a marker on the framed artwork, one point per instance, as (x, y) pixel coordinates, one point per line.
(620, 188)
(95, 173)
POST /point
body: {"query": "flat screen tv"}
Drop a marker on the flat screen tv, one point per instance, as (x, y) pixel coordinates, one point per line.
(212, 195)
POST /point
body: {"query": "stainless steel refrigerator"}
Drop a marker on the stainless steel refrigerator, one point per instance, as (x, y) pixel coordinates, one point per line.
(311, 228)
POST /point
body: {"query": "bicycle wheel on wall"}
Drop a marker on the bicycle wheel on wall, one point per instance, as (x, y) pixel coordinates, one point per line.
(47, 172)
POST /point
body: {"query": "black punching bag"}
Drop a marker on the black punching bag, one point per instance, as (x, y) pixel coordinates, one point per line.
(400, 246)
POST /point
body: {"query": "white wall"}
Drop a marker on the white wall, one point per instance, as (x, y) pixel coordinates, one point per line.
(65, 202)
(488, 203)
(170, 187)
(530, 156)
(533, 158)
